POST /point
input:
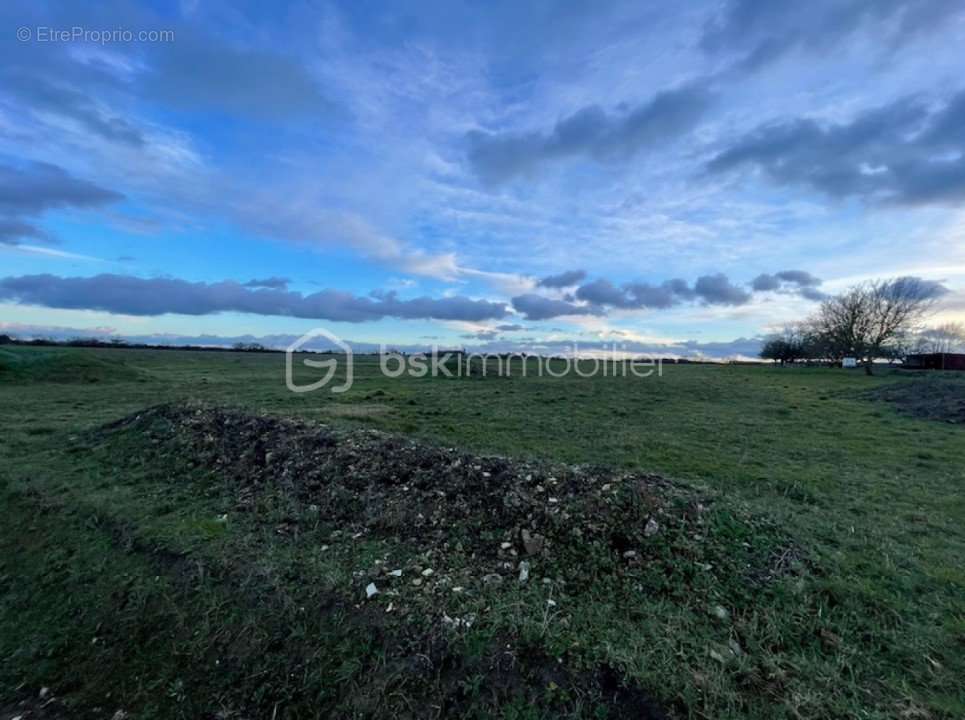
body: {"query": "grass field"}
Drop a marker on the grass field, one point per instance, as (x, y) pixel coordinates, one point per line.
(809, 561)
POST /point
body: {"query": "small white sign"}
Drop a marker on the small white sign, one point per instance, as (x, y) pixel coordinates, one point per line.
(849, 362)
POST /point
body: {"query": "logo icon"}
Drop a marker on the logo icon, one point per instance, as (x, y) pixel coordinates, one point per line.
(330, 364)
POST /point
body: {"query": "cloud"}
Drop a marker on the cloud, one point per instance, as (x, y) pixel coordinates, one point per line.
(589, 132)
(601, 294)
(711, 289)
(637, 294)
(799, 277)
(157, 296)
(810, 293)
(795, 281)
(12, 231)
(510, 328)
(275, 283)
(537, 307)
(901, 153)
(765, 282)
(718, 290)
(759, 33)
(44, 96)
(563, 280)
(912, 286)
(301, 220)
(37, 187)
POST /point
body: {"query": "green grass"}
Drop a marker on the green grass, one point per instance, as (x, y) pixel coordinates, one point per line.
(121, 587)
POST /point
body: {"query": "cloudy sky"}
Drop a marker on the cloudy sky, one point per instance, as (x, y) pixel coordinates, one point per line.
(522, 173)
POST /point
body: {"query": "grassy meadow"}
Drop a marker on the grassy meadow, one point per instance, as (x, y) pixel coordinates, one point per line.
(830, 566)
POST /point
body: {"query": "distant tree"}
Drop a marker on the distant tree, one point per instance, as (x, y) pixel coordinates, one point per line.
(5, 339)
(789, 346)
(774, 349)
(874, 319)
(248, 347)
(946, 338)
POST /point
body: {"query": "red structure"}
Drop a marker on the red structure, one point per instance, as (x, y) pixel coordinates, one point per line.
(936, 361)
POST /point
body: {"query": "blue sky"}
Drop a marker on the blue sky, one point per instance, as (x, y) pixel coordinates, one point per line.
(699, 173)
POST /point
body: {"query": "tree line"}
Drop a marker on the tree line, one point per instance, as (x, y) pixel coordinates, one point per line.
(876, 320)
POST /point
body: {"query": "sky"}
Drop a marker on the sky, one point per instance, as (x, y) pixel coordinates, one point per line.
(516, 175)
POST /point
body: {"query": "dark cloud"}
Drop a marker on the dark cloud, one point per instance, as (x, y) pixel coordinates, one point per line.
(537, 307)
(795, 281)
(666, 294)
(758, 32)
(591, 132)
(275, 283)
(799, 278)
(157, 296)
(603, 292)
(37, 187)
(715, 289)
(718, 290)
(564, 279)
(510, 328)
(765, 282)
(711, 289)
(811, 293)
(12, 231)
(40, 94)
(902, 153)
(910, 286)
(636, 295)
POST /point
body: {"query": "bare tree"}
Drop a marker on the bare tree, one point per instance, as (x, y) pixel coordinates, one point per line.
(946, 338)
(788, 346)
(870, 320)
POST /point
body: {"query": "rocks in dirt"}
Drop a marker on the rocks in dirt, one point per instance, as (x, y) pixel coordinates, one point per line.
(471, 531)
(532, 542)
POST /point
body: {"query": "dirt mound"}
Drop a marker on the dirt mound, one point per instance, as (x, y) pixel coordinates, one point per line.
(932, 398)
(458, 562)
(481, 515)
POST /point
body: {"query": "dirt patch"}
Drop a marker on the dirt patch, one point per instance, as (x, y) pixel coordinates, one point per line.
(930, 398)
(474, 519)
(456, 534)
